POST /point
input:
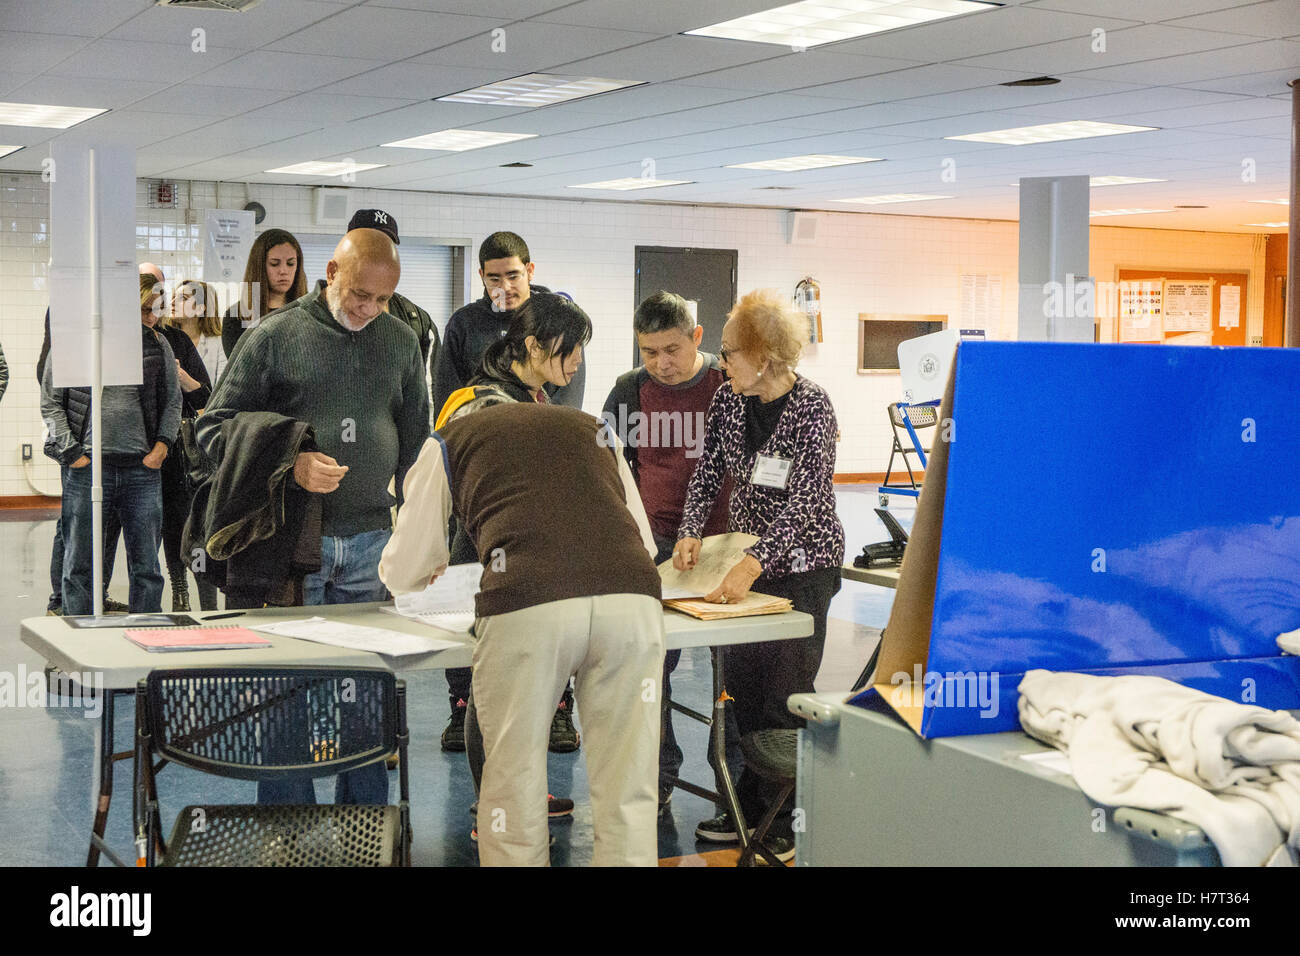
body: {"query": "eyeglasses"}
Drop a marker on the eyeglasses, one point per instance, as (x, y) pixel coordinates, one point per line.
(726, 354)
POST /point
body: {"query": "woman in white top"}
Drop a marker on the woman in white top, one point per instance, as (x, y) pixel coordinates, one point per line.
(196, 311)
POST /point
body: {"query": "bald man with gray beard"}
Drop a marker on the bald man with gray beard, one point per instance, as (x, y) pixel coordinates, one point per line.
(339, 362)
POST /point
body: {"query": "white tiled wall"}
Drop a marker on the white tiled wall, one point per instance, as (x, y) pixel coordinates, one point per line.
(864, 262)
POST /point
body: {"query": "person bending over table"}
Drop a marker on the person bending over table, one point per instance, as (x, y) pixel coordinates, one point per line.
(774, 431)
(568, 589)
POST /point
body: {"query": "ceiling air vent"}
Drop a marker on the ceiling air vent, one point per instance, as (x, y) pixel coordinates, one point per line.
(233, 6)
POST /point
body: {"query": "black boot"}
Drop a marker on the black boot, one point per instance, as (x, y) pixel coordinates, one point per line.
(180, 595)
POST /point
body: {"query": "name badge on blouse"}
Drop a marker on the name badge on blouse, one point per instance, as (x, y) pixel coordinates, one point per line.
(771, 472)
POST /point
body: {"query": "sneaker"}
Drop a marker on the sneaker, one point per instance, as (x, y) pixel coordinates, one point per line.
(565, 738)
(720, 829)
(453, 738)
(782, 848)
(54, 612)
(115, 607)
(556, 807)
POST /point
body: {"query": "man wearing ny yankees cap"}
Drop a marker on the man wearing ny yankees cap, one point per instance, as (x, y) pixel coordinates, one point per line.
(400, 307)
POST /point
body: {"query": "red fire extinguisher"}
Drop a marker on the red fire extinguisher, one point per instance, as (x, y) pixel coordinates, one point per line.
(808, 300)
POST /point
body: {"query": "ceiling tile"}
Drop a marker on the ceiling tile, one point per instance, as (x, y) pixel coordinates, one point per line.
(415, 80)
(792, 71)
(533, 47)
(208, 100)
(71, 17)
(296, 72)
(502, 9)
(1192, 69)
(672, 58)
(990, 31)
(1267, 83)
(1152, 13)
(383, 33)
(1276, 18)
(133, 60)
(913, 81)
(663, 16)
(76, 91)
(249, 30)
(37, 52)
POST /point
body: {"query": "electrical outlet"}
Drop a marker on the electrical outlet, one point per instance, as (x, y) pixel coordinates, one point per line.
(27, 451)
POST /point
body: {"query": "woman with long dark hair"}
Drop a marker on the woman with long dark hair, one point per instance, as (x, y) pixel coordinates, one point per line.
(273, 278)
(542, 346)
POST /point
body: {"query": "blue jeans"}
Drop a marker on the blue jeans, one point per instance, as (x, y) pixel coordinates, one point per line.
(134, 492)
(349, 574)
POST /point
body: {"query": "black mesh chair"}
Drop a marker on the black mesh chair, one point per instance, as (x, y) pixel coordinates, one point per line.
(281, 724)
(774, 755)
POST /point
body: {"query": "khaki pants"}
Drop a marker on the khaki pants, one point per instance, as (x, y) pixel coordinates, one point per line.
(613, 645)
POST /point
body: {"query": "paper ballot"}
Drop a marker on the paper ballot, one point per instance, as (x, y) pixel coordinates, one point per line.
(357, 637)
(719, 553)
(447, 604)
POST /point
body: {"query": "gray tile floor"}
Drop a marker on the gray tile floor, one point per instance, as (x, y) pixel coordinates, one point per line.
(47, 754)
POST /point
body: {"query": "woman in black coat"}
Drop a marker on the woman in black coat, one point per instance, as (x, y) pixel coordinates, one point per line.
(196, 389)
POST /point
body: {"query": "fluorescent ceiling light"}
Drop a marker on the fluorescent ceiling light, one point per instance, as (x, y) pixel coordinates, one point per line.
(1125, 212)
(459, 140)
(538, 89)
(1051, 133)
(1273, 202)
(633, 182)
(6, 150)
(892, 197)
(814, 22)
(795, 163)
(47, 117)
(325, 169)
(1268, 225)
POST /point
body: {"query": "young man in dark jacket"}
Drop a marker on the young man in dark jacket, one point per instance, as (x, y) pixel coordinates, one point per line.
(506, 270)
(139, 424)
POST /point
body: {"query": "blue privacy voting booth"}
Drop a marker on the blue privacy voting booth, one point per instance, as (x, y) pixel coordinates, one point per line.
(1110, 509)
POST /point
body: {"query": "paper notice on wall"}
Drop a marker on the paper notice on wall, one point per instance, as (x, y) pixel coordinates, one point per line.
(1187, 305)
(1229, 306)
(227, 237)
(1141, 307)
(981, 300)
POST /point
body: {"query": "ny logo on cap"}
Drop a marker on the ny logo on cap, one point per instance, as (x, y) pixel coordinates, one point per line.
(381, 217)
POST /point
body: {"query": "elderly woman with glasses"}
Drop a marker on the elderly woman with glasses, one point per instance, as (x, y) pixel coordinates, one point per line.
(774, 431)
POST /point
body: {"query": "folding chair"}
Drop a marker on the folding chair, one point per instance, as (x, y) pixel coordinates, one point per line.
(276, 724)
(909, 418)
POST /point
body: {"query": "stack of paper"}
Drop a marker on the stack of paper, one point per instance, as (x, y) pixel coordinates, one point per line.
(447, 603)
(684, 590)
(751, 605)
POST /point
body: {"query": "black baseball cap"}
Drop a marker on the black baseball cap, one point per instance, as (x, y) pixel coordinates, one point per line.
(375, 219)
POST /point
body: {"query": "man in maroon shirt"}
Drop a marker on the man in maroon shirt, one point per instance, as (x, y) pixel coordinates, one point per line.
(658, 410)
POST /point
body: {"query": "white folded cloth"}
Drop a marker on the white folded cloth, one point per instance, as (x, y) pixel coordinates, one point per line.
(1232, 769)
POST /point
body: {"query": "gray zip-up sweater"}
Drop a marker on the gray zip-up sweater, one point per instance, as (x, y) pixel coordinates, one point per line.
(362, 392)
